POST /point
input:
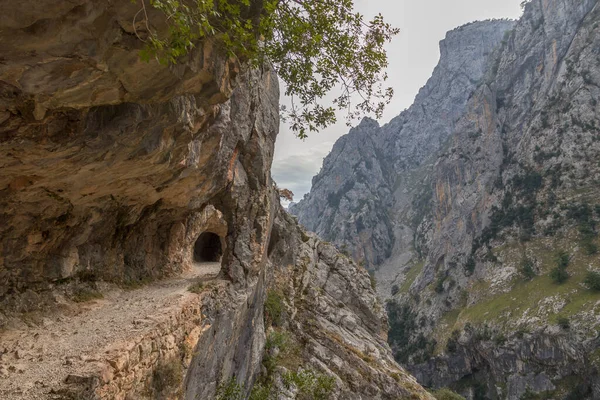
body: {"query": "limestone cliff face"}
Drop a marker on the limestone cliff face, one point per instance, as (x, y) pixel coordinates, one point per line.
(352, 197)
(117, 175)
(511, 184)
(111, 171)
(517, 186)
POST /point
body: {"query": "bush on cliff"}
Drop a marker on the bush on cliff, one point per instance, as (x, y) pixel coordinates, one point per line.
(592, 281)
(447, 394)
(559, 274)
(274, 308)
(527, 268)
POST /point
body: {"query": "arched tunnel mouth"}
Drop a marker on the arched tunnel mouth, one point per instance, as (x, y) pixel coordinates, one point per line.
(208, 248)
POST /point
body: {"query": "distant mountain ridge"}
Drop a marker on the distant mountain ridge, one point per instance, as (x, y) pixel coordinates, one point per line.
(465, 203)
(353, 190)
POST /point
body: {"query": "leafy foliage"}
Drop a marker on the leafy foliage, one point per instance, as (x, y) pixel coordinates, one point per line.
(403, 326)
(592, 281)
(261, 391)
(527, 268)
(452, 344)
(275, 341)
(517, 208)
(559, 274)
(280, 350)
(311, 385)
(563, 322)
(447, 394)
(470, 266)
(84, 294)
(373, 280)
(439, 284)
(196, 287)
(314, 46)
(274, 308)
(583, 215)
(167, 376)
(529, 395)
(562, 259)
(230, 390)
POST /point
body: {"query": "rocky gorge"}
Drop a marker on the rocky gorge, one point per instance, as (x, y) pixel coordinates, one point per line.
(469, 205)
(143, 249)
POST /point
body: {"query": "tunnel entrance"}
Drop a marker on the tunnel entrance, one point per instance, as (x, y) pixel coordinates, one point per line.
(208, 248)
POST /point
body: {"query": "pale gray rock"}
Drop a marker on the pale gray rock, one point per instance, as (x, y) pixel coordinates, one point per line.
(484, 169)
(110, 170)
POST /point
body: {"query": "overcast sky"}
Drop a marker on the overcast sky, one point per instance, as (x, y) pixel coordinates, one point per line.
(413, 54)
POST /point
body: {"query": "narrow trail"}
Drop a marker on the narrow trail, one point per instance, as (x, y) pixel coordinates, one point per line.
(35, 359)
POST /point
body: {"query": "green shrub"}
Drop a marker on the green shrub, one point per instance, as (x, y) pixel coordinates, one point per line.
(231, 390)
(500, 339)
(310, 385)
(483, 333)
(276, 340)
(196, 287)
(439, 285)
(592, 281)
(562, 259)
(274, 308)
(581, 391)
(452, 344)
(470, 266)
(529, 395)
(559, 274)
(261, 392)
(521, 331)
(304, 236)
(83, 295)
(373, 280)
(395, 290)
(563, 322)
(589, 245)
(402, 325)
(527, 268)
(447, 394)
(167, 377)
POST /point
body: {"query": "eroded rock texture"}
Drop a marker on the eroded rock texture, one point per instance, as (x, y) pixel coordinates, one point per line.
(111, 170)
(501, 183)
(116, 177)
(332, 319)
(353, 195)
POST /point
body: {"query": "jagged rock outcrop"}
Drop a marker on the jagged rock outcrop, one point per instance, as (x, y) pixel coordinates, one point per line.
(478, 226)
(111, 171)
(331, 312)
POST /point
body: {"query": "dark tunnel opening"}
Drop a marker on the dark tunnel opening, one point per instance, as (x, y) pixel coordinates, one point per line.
(208, 248)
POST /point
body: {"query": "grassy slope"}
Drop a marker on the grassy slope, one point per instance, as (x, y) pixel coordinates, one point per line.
(535, 303)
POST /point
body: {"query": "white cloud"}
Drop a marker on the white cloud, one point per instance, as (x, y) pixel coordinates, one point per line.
(295, 172)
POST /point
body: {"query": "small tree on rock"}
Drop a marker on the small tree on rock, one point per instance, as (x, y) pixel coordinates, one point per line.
(592, 281)
(559, 274)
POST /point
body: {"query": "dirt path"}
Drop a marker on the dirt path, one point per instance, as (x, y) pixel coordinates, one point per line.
(35, 359)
